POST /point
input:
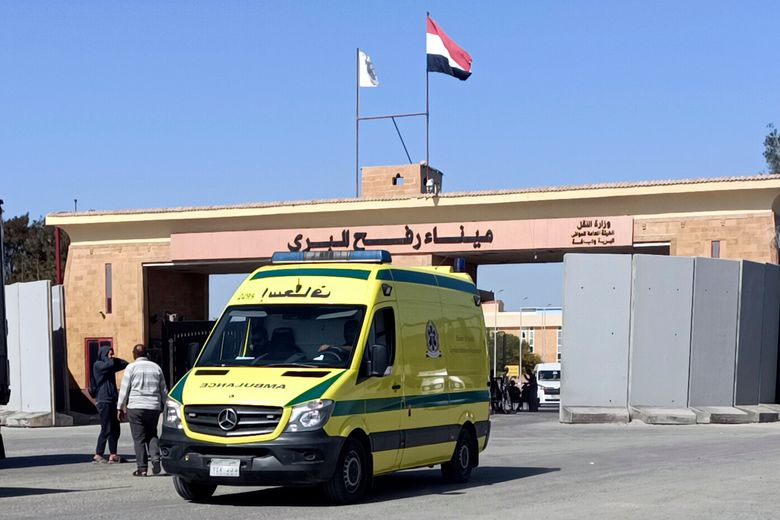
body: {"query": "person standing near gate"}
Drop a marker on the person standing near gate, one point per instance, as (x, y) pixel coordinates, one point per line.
(103, 389)
(142, 396)
(530, 391)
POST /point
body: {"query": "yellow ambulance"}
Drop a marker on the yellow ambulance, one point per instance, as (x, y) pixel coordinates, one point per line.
(331, 368)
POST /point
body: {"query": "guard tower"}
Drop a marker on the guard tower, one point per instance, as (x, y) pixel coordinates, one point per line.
(406, 180)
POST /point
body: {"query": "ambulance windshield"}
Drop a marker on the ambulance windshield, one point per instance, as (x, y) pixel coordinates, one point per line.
(285, 336)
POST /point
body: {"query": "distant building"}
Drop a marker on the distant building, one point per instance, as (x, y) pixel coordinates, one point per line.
(539, 326)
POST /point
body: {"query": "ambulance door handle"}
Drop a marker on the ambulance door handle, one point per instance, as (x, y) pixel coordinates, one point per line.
(396, 387)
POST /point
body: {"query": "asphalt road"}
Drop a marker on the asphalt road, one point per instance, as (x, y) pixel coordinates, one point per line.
(534, 468)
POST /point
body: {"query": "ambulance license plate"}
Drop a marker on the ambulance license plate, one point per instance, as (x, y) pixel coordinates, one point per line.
(224, 467)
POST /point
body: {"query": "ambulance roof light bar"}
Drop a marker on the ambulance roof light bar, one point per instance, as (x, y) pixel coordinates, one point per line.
(376, 256)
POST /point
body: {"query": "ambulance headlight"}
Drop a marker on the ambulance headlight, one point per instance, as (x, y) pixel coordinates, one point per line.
(172, 414)
(310, 416)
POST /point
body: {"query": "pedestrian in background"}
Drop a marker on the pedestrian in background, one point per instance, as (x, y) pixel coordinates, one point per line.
(104, 373)
(142, 395)
(530, 391)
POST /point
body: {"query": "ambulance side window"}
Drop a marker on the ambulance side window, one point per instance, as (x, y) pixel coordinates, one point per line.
(382, 332)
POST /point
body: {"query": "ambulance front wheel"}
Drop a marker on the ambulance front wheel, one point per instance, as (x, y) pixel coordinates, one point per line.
(193, 491)
(458, 469)
(351, 477)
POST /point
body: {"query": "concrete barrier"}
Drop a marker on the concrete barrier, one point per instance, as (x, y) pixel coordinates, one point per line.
(594, 369)
(749, 334)
(669, 340)
(661, 303)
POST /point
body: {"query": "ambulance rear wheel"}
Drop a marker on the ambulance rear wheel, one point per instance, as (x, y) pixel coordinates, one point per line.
(193, 491)
(458, 469)
(350, 480)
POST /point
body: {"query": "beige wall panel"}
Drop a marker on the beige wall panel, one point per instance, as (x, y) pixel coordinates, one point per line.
(749, 237)
(85, 306)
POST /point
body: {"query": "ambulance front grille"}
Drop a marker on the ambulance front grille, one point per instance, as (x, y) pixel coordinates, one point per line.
(249, 420)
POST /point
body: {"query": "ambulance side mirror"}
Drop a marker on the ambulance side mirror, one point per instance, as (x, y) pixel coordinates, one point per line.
(377, 361)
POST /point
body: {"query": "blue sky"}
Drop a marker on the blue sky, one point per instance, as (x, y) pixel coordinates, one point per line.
(157, 104)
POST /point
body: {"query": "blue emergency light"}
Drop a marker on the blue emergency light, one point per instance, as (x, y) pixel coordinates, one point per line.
(376, 256)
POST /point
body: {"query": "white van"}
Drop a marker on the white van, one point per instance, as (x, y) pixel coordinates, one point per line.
(548, 377)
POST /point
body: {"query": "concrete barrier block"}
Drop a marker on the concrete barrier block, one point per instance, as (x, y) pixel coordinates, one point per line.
(596, 305)
(751, 314)
(714, 333)
(721, 415)
(61, 419)
(760, 413)
(14, 418)
(5, 413)
(662, 297)
(771, 406)
(593, 414)
(29, 420)
(769, 335)
(656, 415)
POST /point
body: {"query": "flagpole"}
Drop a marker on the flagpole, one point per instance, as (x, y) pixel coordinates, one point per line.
(427, 106)
(357, 123)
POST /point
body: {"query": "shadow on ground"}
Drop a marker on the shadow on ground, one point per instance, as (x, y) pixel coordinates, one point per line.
(57, 459)
(8, 492)
(390, 487)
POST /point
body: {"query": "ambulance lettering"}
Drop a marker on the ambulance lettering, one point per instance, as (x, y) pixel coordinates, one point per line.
(273, 386)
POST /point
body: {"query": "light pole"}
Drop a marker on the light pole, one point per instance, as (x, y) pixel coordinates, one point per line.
(520, 345)
(544, 328)
(495, 332)
(503, 348)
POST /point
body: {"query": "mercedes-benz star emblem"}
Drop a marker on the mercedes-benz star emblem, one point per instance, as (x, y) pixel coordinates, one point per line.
(227, 419)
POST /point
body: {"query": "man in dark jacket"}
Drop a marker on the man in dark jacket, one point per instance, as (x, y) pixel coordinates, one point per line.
(106, 395)
(530, 391)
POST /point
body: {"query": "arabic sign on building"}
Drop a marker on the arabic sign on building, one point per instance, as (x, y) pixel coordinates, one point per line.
(498, 235)
(593, 232)
(360, 240)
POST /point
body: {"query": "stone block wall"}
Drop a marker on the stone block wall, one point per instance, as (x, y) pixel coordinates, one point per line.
(746, 237)
(85, 293)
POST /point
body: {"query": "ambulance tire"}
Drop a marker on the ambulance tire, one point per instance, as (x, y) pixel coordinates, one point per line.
(193, 491)
(351, 478)
(458, 469)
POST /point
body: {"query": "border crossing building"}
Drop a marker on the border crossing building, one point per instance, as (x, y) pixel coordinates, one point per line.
(134, 276)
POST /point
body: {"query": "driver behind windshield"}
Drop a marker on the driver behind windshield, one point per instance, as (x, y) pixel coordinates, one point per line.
(280, 347)
(258, 340)
(291, 334)
(342, 352)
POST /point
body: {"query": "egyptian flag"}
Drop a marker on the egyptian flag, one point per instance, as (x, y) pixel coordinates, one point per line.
(444, 55)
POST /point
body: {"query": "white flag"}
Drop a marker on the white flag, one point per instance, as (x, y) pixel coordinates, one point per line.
(367, 74)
